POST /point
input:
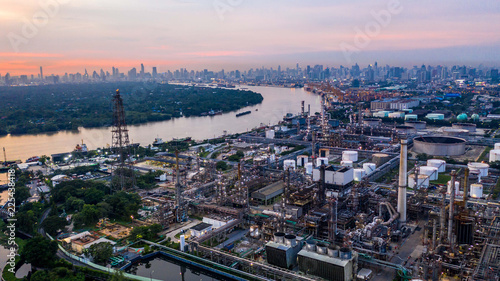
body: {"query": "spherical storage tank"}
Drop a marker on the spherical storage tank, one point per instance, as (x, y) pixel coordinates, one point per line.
(462, 117)
(309, 168)
(423, 181)
(432, 172)
(481, 167)
(476, 190)
(350, 155)
(437, 163)
(439, 145)
(494, 155)
(359, 174)
(369, 168)
(346, 163)
(475, 117)
(289, 164)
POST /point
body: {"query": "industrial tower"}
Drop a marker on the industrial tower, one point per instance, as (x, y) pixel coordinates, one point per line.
(120, 141)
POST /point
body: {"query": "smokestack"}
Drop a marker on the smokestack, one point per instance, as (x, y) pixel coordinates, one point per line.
(450, 217)
(303, 107)
(309, 110)
(313, 147)
(402, 182)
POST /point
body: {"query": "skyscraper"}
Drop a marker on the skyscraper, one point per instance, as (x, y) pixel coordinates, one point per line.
(154, 72)
(41, 73)
(142, 71)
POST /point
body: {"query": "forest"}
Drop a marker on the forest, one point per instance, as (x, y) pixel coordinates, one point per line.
(50, 108)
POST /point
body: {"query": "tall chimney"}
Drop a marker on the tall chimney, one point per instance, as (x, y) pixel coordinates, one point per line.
(452, 202)
(402, 182)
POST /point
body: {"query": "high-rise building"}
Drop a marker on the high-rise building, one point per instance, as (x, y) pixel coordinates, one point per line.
(155, 73)
(41, 73)
(142, 71)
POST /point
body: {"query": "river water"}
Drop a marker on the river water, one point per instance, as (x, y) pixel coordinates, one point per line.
(277, 102)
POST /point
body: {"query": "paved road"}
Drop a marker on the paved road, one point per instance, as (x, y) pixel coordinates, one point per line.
(179, 228)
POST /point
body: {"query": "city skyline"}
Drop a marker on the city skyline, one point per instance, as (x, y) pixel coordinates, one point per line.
(69, 36)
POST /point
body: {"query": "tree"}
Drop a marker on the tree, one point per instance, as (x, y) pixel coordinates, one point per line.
(74, 204)
(22, 193)
(39, 251)
(89, 216)
(54, 223)
(221, 165)
(118, 276)
(93, 196)
(26, 221)
(101, 252)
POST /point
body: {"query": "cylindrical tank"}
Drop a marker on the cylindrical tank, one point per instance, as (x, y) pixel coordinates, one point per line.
(183, 243)
(397, 114)
(359, 174)
(497, 145)
(372, 122)
(346, 163)
(437, 163)
(289, 164)
(430, 171)
(418, 125)
(380, 158)
(495, 155)
(309, 168)
(403, 129)
(423, 181)
(435, 116)
(457, 187)
(465, 126)
(369, 168)
(321, 161)
(345, 253)
(481, 167)
(476, 190)
(311, 245)
(454, 132)
(321, 249)
(411, 117)
(279, 237)
(350, 155)
(290, 240)
(302, 160)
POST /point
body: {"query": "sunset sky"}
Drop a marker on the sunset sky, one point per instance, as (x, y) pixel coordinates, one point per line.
(241, 34)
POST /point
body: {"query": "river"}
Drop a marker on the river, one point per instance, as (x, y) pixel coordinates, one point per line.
(277, 102)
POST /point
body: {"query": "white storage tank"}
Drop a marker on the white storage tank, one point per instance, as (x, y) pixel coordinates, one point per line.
(321, 161)
(481, 167)
(309, 168)
(163, 177)
(272, 158)
(422, 182)
(359, 174)
(432, 172)
(435, 116)
(289, 164)
(350, 155)
(270, 134)
(476, 190)
(495, 154)
(497, 145)
(183, 243)
(438, 163)
(346, 163)
(369, 168)
(302, 160)
(457, 187)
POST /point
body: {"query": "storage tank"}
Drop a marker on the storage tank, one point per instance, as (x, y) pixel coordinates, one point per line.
(309, 168)
(465, 126)
(358, 174)
(321, 161)
(476, 190)
(481, 167)
(462, 117)
(311, 245)
(350, 155)
(439, 145)
(475, 117)
(333, 251)
(435, 116)
(403, 129)
(423, 181)
(270, 134)
(380, 158)
(372, 122)
(494, 155)
(279, 237)
(497, 146)
(302, 160)
(455, 132)
(346, 163)
(398, 114)
(411, 117)
(289, 164)
(457, 187)
(369, 168)
(418, 125)
(290, 240)
(437, 163)
(430, 171)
